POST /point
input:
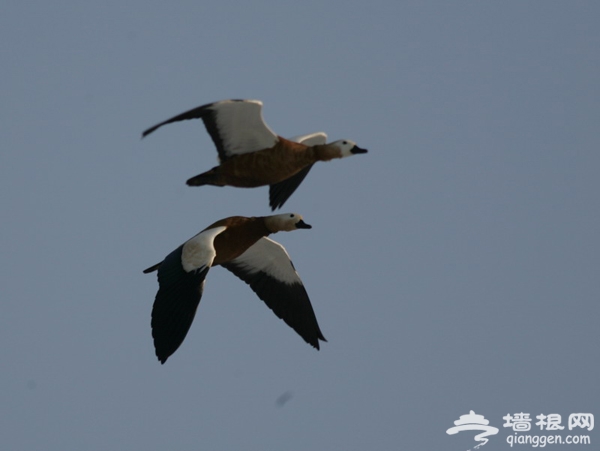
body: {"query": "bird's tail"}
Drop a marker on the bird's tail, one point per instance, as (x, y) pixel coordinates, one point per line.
(206, 178)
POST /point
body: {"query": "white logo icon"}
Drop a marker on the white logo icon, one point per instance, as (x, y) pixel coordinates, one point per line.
(474, 422)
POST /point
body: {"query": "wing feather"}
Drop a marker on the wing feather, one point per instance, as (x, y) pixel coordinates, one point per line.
(280, 192)
(312, 139)
(267, 268)
(181, 278)
(235, 126)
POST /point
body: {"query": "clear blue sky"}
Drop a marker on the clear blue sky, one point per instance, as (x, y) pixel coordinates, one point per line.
(453, 268)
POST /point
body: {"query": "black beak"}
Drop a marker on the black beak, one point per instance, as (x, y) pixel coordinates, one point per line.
(357, 149)
(303, 225)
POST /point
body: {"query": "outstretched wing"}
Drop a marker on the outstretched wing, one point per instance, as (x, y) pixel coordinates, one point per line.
(235, 126)
(312, 139)
(267, 268)
(280, 192)
(181, 277)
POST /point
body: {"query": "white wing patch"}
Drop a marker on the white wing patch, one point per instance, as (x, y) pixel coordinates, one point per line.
(199, 251)
(269, 257)
(318, 138)
(242, 128)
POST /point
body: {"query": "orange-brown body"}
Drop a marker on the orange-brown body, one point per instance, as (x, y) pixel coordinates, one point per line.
(241, 233)
(265, 167)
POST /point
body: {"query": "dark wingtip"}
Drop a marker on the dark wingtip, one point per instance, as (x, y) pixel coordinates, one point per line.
(151, 269)
(356, 150)
(316, 344)
(276, 204)
(150, 130)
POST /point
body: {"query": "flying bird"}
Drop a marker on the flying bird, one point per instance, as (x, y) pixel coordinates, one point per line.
(239, 244)
(252, 155)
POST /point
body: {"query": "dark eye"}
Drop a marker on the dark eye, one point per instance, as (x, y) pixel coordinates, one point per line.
(345, 142)
(292, 215)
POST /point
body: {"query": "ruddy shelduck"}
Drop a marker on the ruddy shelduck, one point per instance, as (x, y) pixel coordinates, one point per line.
(251, 154)
(239, 244)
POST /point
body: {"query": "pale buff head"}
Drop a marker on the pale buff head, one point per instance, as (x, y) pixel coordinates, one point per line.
(285, 222)
(347, 147)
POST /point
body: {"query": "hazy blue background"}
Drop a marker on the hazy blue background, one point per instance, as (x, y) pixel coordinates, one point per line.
(454, 267)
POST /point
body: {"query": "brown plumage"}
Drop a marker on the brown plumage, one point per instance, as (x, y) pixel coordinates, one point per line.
(266, 167)
(251, 155)
(240, 245)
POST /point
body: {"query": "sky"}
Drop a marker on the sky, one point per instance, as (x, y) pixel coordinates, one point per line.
(452, 268)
